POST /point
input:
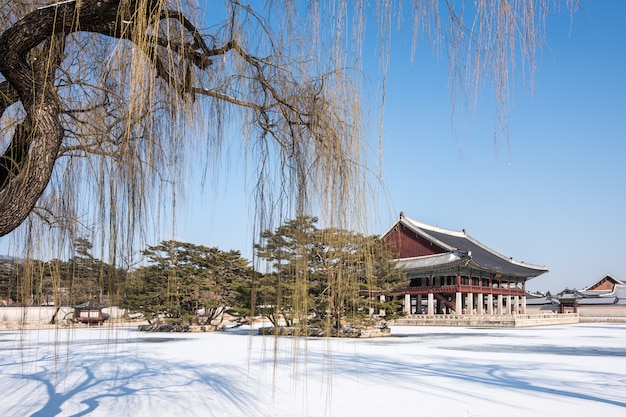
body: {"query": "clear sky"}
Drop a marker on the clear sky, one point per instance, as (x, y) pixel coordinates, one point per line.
(555, 195)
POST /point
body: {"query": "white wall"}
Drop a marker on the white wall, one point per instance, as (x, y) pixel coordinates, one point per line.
(43, 315)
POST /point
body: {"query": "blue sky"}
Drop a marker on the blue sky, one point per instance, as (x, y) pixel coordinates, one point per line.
(554, 195)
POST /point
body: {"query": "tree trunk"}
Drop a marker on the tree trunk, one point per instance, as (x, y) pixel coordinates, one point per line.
(27, 163)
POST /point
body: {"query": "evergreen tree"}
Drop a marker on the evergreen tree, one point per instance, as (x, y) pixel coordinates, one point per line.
(9, 273)
(286, 291)
(328, 276)
(187, 281)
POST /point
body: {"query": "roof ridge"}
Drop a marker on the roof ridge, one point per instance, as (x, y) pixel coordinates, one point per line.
(423, 229)
(438, 229)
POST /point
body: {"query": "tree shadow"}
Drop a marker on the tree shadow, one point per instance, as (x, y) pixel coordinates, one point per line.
(97, 373)
(85, 380)
(521, 376)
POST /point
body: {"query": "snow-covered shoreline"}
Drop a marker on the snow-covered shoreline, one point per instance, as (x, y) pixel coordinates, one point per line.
(426, 371)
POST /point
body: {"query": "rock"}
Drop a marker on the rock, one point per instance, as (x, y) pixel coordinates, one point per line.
(177, 327)
(346, 331)
(163, 327)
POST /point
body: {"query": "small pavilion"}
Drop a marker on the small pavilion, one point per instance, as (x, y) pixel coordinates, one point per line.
(452, 273)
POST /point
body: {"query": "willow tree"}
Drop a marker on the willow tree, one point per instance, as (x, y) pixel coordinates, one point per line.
(107, 105)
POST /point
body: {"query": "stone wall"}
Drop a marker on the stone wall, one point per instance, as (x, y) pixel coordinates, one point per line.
(515, 320)
(36, 317)
(602, 311)
(542, 309)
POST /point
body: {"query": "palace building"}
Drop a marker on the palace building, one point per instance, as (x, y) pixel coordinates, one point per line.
(452, 273)
(605, 298)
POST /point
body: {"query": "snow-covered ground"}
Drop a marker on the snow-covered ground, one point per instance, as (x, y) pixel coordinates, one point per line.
(577, 370)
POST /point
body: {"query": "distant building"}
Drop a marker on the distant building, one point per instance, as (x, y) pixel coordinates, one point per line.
(451, 272)
(605, 298)
(542, 303)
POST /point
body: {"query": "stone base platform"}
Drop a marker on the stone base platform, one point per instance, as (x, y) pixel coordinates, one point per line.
(604, 319)
(352, 332)
(514, 320)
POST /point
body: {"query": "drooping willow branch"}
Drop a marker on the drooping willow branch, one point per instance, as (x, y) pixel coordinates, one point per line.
(31, 54)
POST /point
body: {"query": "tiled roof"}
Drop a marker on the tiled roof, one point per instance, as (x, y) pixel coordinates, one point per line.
(597, 297)
(478, 255)
(598, 301)
(594, 293)
(539, 301)
(620, 291)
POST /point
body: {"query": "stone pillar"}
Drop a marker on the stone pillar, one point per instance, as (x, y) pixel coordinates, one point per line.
(407, 303)
(459, 303)
(516, 304)
(418, 305)
(500, 305)
(431, 304)
(470, 303)
(490, 304)
(480, 304)
(524, 304)
(507, 304)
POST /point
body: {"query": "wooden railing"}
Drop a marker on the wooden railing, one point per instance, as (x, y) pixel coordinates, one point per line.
(451, 289)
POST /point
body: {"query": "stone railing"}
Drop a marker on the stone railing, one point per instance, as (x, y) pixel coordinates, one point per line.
(508, 320)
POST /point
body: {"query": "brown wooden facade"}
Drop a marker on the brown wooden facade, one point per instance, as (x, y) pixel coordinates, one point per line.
(607, 283)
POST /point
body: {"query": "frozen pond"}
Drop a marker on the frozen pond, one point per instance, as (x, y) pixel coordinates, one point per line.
(575, 370)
